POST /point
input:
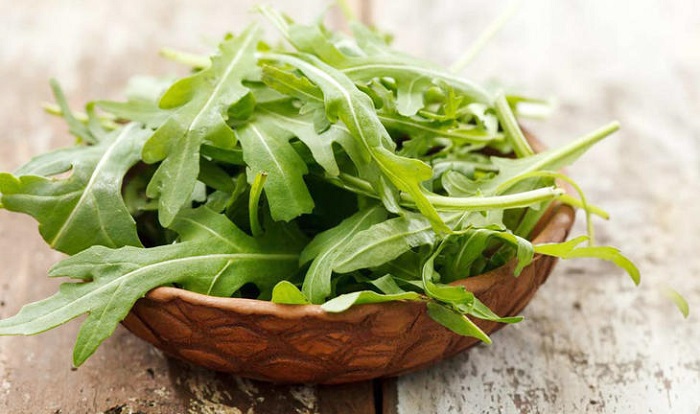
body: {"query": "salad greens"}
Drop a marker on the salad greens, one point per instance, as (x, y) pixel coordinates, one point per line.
(334, 171)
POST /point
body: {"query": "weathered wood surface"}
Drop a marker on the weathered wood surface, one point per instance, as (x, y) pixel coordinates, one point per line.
(592, 342)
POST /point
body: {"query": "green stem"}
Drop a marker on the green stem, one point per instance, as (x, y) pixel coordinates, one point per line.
(254, 203)
(510, 125)
(582, 203)
(465, 135)
(444, 203)
(502, 202)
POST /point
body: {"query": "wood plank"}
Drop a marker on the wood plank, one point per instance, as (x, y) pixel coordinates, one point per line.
(390, 398)
(354, 398)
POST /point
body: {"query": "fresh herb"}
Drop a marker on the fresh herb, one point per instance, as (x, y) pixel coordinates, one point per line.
(335, 171)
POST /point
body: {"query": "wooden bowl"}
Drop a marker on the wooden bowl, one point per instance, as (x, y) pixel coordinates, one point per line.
(304, 344)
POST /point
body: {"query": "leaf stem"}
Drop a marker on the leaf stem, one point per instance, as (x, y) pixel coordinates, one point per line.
(582, 202)
(254, 203)
(524, 199)
(510, 125)
(444, 203)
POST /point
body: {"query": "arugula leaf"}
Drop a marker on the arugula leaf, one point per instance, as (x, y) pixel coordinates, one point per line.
(199, 104)
(482, 311)
(286, 293)
(355, 109)
(85, 209)
(387, 285)
(570, 250)
(475, 242)
(75, 127)
(678, 300)
(266, 150)
(214, 258)
(145, 112)
(320, 144)
(346, 301)
(456, 322)
(326, 247)
(385, 241)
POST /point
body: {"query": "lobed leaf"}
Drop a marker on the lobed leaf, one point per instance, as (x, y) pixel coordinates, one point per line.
(199, 105)
(86, 208)
(266, 150)
(214, 258)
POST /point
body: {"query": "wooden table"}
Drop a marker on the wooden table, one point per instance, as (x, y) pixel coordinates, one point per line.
(592, 342)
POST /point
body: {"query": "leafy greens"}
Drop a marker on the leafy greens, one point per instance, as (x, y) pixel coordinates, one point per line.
(336, 171)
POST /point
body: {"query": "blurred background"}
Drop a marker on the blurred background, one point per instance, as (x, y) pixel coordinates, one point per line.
(592, 342)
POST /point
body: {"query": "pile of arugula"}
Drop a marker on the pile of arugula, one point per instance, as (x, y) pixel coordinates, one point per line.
(334, 171)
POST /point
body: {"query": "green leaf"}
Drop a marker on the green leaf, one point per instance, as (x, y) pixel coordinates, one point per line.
(286, 293)
(412, 76)
(85, 209)
(75, 127)
(346, 301)
(482, 311)
(146, 112)
(455, 295)
(291, 84)
(214, 258)
(355, 109)
(408, 70)
(199, 105)
(325, 247)
(678, 300)
(266, 150)
(511, 170)
(456, 322)
(214, 176)
(570, 250)
(384, 242)
(387, 285)
(232, 156)
(320, 144)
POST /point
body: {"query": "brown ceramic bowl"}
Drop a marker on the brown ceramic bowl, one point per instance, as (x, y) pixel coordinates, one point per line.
(304, 344)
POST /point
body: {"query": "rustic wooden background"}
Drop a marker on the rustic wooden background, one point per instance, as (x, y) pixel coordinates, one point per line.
(592, 343)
